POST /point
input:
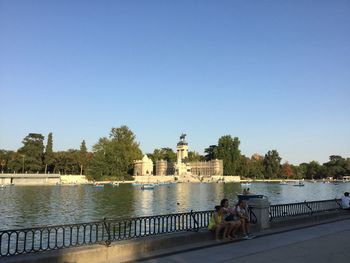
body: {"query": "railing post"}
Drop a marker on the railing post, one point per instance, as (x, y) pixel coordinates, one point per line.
(307, 205)
(108, 230)
(195, 223)
(260, 208)
(338, 203)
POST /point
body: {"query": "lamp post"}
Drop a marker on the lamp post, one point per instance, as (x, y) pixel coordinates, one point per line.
(23, 164)
(3, 163)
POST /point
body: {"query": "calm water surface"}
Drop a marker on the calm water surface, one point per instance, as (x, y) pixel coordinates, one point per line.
(28, 206)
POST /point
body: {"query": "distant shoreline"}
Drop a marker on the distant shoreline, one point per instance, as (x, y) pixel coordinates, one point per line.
(54, 179)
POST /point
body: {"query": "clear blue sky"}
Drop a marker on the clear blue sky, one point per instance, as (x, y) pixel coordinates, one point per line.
(276, 74)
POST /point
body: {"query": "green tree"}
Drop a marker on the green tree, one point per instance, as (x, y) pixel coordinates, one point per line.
(83, 156)
(313, 170)
(6, 161)
(301, 171)
(228, 151)
(165, 153)
(195, 157)
(211, 152)
(256, 168)
(102, 163)
(16, 163)
(244, 167)
(114, 156)
(3, 160)
(66, 162)
(49, 156)
(272, 164)
(337, 167)
(32, 152)
(335, 158)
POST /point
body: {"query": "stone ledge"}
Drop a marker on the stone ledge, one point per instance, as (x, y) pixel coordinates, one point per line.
(290, 225)
(118, 251)
(167, 244)
(294, 220)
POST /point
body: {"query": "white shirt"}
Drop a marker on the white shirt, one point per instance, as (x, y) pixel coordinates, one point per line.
(345, 201)
(240, 210)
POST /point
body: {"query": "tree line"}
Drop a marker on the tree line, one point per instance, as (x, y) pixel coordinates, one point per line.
(112, 158)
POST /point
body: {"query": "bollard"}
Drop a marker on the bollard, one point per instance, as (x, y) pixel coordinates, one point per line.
(260, 207)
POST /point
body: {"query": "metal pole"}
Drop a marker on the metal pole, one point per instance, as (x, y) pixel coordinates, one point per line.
(23, 164)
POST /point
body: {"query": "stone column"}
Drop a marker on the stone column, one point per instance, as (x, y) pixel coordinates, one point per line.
(260, 207)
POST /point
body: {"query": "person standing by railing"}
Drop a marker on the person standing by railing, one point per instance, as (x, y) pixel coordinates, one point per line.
(345, 201)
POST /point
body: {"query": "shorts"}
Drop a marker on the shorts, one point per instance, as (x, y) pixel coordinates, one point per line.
(230, 218)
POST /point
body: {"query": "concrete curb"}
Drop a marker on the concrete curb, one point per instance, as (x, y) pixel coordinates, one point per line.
(258, 235)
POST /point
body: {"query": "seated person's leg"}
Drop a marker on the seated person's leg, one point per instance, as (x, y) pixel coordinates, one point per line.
(243, 224)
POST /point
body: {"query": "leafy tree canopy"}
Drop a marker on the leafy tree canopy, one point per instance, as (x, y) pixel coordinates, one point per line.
(228, 151)
(211, 152)
(165, 153)
(49, 155)
(114, 156)
(32, 152)
(195, 157)
(272, 164)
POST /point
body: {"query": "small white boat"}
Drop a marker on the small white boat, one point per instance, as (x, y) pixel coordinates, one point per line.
(147, 187)
(165, 183)
(283, 183)
(245, 184)
(98, 185)
(300, 183)
(136, 184)
(114, 184)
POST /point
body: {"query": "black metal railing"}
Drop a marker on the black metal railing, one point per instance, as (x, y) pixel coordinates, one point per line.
(303, 208)
(31, 240)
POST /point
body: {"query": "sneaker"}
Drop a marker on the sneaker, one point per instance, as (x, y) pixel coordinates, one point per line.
(245, 237)
(251, 235)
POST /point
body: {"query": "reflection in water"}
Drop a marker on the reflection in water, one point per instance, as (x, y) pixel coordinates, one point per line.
(28, 206)
(145, 204)
(112, 202)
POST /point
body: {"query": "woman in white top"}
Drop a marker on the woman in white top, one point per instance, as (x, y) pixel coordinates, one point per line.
(345, 201)
(243, 215)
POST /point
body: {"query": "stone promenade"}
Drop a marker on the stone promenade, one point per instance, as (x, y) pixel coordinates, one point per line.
(329, 242)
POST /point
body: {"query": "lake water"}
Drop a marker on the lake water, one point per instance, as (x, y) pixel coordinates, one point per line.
(28, 206)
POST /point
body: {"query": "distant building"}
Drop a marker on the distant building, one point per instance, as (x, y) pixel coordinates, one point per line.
(182, 167)
(164, 167)
(212, 167)
(143, 167)
(257, 157)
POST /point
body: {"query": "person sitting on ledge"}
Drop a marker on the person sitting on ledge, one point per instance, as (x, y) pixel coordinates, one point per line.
(231, 218)
(345, 201)
(243, 215)
(216, 223)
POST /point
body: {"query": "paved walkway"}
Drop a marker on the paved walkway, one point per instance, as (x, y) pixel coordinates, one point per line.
(322, 243)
